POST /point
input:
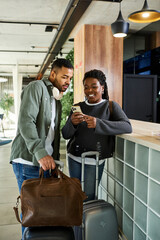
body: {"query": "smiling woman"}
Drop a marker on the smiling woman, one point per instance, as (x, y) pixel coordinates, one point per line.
(93, 90)
(93, 129)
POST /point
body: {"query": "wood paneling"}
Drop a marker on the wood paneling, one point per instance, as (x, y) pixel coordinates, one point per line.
(96, 48)
(155, 40)
(79, 66)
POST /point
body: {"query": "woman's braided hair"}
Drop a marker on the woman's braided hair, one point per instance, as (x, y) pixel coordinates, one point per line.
(100, 76)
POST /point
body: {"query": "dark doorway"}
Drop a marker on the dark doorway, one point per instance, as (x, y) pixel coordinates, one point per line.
(139, 97)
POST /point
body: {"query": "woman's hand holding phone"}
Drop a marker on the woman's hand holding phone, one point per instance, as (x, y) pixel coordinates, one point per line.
(77, 118)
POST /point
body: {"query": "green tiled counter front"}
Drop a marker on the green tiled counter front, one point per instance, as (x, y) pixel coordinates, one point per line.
(131, 182)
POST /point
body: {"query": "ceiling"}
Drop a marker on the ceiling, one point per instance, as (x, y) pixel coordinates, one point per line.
(25, 43)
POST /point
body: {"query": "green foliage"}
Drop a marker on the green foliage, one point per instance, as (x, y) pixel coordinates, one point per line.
(70, 56)
(6, 102)
(67, 100)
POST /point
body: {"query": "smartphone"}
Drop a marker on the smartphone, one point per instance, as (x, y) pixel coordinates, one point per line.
(76, 109)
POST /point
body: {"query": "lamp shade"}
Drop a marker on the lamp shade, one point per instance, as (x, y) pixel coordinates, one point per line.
(120, 27)
(145, 15)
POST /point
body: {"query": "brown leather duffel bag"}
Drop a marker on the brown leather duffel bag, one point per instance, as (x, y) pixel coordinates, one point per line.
(54, 201)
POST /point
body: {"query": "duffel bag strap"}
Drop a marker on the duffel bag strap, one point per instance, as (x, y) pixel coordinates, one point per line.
(16, 210)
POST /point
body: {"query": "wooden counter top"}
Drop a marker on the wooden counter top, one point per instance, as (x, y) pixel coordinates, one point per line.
(143, 134)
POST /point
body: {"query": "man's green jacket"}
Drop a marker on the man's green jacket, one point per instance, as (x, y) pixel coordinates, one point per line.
(34, 123)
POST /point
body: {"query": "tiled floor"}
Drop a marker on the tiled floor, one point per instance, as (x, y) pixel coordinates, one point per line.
(10, 229)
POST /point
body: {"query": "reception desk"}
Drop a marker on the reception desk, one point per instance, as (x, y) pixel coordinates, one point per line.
(131, 182)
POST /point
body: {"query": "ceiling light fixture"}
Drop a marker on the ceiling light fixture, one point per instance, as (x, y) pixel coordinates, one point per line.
(49, 28)
(120, 27)
(145, 15)
(71, 40)
(2, 79)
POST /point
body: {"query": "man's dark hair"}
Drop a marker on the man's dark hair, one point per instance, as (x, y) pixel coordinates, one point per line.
(100, 76)
(61, 62)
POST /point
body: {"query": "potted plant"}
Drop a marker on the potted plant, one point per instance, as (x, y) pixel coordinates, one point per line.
(6, 102)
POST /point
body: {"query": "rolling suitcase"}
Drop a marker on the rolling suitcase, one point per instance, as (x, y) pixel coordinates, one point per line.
(99, 217)
(49, 233)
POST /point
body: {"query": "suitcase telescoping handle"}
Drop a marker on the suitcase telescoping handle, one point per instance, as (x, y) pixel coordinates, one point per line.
(83, 155)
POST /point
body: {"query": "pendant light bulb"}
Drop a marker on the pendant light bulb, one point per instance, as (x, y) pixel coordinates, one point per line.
(145, 15)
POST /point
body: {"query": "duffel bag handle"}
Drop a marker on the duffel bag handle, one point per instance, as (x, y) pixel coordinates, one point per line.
(16, 210)
(53, 171)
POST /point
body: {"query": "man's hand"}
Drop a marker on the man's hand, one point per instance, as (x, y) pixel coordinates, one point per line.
(91, 121)
(47, 163)
(77, 118)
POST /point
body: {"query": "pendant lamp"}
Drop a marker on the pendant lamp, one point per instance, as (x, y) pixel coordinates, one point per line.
(145, 15)
(120, 27)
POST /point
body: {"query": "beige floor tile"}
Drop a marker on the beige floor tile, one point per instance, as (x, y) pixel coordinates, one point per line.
(10, 232)
(66, 171)
(5, 155)
(3, 147)
(8, 182)
(6, 172)
(9, 194)
(7, 216)
(62, 151)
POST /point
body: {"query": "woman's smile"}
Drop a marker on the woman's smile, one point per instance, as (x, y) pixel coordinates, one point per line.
(93, 90)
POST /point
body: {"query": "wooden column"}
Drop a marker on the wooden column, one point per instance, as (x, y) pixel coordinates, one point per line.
(155, 40)
(96, 48)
